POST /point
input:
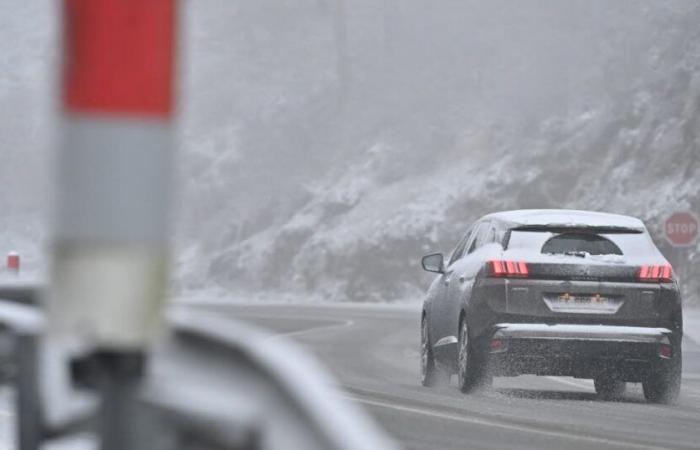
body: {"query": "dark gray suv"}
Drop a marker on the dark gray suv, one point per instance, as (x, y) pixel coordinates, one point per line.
(559, 293)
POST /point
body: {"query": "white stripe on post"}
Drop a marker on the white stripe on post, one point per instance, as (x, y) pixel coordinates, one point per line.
(114, 175)
(110, 245)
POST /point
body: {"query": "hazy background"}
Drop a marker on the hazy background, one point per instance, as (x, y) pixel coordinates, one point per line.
(325, 145)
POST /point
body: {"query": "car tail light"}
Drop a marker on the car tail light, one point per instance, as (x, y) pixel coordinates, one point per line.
(665, 351)
(508, 269)
(656, 274)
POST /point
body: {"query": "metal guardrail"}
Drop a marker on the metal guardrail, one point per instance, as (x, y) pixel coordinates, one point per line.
(209, 383)
(23, 293)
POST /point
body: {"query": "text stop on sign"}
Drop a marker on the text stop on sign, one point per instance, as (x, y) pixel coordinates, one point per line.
(681, 229)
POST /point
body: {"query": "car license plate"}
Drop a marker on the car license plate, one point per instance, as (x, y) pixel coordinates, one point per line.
(582, 304)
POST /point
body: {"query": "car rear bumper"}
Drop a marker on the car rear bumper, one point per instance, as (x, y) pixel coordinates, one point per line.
(584, 351)
(608, 333)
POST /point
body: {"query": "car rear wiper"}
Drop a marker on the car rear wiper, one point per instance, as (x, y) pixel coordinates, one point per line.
(567, 228)
(580, 254)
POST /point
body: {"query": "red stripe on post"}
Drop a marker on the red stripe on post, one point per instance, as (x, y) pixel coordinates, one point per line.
(119, 57)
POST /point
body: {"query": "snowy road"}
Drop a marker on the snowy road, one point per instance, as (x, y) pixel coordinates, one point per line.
(373, 351)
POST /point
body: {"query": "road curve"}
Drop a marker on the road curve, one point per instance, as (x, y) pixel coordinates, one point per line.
(373, 352)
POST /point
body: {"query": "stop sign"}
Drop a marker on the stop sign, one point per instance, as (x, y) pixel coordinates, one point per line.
(681, 229)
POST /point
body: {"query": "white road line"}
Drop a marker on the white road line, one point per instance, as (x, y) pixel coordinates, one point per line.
(346, 323)
(265, 315)
(336, 324)
(507, 426)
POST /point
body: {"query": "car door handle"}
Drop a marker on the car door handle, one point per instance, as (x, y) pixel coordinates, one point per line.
(462, 279)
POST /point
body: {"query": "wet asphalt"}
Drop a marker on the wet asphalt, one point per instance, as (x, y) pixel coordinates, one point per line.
(373, 353)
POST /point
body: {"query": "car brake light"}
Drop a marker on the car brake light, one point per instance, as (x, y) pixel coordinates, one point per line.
(508, 269)
(656, 274)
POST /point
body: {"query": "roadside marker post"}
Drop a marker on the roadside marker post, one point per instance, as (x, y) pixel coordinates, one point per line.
(110, 242)
(110, 235)
(13, 262)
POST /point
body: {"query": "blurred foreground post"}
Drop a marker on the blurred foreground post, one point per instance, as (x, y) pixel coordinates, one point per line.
(110, 241)
(86, 360)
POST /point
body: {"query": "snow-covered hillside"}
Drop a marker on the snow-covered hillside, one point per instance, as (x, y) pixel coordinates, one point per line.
(334, 192)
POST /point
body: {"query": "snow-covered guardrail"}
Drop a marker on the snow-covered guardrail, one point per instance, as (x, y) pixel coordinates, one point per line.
(208, 383)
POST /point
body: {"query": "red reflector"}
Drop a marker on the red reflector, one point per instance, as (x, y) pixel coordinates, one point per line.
(13, 261)
(665, 351)
(496, 345)
(656, 274)
(119, 56)
(508, 269)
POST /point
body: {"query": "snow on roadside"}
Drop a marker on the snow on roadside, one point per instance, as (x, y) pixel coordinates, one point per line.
(691, 324)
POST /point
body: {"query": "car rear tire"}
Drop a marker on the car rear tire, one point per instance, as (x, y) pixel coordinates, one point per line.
(432, 374)
(609, 388)
(472, 370)
(664, 384)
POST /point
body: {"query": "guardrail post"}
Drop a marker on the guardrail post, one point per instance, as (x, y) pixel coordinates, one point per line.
(119, 375)
(30, 426)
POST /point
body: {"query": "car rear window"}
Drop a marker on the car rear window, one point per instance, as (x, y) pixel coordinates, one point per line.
(580, 243)
(627, 245)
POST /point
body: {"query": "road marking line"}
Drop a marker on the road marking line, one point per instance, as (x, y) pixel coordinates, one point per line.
(347, 323)
(507, 426)
(336, 324)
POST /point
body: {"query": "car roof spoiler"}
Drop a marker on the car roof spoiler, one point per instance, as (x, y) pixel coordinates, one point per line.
(567, 228)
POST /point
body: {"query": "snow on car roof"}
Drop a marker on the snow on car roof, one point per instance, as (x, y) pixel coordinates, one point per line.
(567, 218)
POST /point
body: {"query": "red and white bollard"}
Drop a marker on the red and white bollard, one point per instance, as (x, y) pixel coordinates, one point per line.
(110, 240)
(110, 236)
(13, 262)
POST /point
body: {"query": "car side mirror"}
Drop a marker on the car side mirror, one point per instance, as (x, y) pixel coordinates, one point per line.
(434, 263)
